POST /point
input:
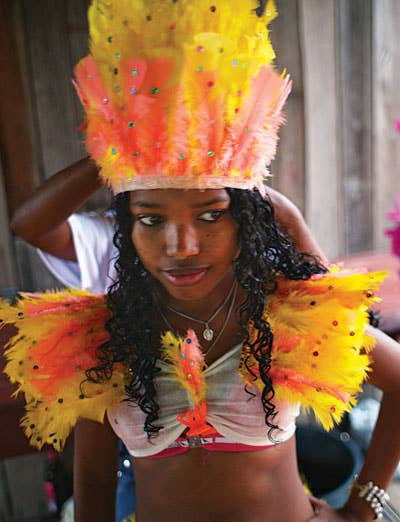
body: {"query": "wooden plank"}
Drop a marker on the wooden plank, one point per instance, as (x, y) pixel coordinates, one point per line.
(323, 207)
(354, 67)
(52, 91)
(386, 108)
(15, 141)
(288, 166)
(57, 38)
(8, 275)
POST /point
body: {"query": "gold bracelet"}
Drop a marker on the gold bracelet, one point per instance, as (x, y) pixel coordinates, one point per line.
(375, 496)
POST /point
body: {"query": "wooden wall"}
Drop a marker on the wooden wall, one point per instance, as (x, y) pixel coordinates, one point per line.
(339, 155)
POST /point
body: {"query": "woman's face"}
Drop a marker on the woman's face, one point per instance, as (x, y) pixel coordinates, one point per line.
(187, 239)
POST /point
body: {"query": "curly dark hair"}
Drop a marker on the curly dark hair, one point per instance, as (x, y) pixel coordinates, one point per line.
(265, 253)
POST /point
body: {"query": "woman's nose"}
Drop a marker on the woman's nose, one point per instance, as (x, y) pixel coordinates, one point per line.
(182, 241)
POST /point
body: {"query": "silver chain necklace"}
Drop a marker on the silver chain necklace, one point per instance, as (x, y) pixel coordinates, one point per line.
(226, 321)
(208, 332)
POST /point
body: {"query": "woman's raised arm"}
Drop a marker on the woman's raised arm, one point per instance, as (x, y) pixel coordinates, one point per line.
(292, 222)
(42, 219)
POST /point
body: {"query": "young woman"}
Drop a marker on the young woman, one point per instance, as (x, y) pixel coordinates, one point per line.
(216, 327)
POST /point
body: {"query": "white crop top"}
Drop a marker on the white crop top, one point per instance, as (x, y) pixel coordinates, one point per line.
(232, 411)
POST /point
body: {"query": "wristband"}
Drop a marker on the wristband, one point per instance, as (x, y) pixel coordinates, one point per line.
(376, 497)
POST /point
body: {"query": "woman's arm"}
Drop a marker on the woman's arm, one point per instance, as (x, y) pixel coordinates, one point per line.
(383, 453)
(42, 219)
(95, 471)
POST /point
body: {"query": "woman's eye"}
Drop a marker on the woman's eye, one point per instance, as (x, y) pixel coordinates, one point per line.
(211, 215)
(150, 221)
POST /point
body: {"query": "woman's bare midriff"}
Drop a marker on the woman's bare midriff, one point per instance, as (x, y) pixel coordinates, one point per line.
(202, 486)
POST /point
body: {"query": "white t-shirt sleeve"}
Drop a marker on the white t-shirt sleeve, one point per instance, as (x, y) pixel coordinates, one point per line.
(94, 271)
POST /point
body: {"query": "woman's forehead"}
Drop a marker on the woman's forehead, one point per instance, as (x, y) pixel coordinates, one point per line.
(190, 197)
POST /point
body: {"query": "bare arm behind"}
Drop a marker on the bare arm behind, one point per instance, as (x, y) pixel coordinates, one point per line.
(42, 219)
(293, 224)
(95, 471)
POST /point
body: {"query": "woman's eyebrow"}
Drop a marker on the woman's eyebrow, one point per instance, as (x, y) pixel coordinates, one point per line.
(210, 202)
(145, 204)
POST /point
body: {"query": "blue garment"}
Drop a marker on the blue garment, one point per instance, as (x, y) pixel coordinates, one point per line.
(126, 491)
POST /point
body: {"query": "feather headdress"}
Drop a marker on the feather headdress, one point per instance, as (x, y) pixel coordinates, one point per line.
(181, 94)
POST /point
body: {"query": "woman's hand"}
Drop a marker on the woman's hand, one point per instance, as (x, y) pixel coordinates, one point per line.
(323, 512)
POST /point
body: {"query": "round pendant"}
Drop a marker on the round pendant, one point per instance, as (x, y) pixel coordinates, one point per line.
(208, 334)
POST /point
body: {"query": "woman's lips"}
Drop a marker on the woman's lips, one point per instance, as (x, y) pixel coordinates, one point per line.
(185, 276)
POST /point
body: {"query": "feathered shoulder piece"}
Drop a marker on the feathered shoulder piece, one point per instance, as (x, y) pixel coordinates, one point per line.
(56, 341)
(319, 355)
(320, 349)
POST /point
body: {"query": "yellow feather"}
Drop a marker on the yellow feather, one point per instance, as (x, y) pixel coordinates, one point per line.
(320, 351)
